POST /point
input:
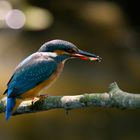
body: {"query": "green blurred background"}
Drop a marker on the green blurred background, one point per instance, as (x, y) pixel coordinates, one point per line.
(109, 28)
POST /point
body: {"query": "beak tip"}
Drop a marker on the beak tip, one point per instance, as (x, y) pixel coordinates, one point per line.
(88, 56)
(99, 58)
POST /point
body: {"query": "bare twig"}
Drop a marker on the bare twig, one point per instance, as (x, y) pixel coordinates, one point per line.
(114, 98)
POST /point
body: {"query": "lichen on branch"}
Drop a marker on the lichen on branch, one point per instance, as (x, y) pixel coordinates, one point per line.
(114, 98)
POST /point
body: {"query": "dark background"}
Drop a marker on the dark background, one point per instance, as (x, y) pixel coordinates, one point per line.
(110, 29)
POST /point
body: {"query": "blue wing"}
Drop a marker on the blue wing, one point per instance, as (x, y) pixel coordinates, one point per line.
(29, 73)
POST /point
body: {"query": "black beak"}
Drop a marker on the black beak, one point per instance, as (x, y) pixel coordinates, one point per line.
(87, 56)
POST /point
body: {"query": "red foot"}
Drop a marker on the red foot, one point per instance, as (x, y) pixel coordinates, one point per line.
(34, 99)
(41, 97)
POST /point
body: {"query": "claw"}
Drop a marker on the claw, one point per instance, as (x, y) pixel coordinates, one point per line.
(34, 99)
(43, 96)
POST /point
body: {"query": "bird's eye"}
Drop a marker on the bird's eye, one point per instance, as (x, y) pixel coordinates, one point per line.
(71, 51)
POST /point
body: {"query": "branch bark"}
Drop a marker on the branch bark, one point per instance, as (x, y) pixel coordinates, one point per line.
(114, 98)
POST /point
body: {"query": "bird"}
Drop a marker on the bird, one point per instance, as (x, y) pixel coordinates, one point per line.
(39, 70)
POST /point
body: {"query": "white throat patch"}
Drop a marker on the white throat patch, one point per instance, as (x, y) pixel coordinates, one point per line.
(52, 54)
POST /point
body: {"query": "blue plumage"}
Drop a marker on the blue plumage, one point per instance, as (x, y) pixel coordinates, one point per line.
(29, 73)
(53, 45)
(32, 71)
(39, 69)
(9, 107)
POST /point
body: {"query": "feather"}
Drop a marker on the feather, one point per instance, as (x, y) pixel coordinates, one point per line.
(30, 73)
(9, 107)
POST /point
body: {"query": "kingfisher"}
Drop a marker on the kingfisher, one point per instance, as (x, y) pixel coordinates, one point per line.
(39, 70)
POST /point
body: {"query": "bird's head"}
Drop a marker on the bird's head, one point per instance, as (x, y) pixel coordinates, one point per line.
(64, 49)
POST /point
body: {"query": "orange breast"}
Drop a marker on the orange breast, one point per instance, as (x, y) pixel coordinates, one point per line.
(35, 91)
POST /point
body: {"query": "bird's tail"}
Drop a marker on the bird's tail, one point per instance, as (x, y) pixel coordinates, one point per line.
(10, 106)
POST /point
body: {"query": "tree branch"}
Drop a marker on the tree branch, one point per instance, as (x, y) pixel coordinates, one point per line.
(114, 98)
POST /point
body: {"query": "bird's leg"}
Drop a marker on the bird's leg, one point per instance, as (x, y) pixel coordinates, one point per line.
(39, 97)
(34, 99)
(42, 96)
